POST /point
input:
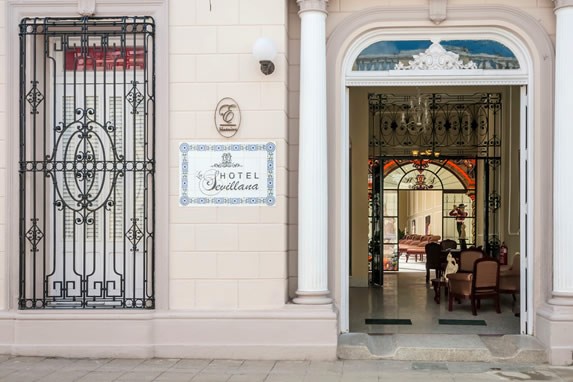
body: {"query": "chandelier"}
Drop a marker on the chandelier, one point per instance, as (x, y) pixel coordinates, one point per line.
(417, 114)
(418, 120)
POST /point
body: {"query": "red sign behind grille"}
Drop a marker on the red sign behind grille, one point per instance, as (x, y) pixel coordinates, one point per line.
(104, 60)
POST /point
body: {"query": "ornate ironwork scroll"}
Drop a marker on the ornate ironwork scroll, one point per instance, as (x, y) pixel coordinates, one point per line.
(86, 176)
(456, 125)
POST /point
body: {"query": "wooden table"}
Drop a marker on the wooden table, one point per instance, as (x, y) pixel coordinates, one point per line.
(437, 284)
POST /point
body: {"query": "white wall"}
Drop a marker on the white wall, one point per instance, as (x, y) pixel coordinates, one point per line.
(221, 272)
(227, 257)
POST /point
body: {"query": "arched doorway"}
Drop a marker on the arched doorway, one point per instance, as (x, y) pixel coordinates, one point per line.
(532, 47)
(452, 185)
(445, 149)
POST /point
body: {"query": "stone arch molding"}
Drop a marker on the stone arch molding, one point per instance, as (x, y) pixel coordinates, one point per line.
(510, 26)
(517, 30)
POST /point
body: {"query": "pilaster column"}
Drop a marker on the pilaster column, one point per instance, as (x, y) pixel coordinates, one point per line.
(563, 184)
(312, 180)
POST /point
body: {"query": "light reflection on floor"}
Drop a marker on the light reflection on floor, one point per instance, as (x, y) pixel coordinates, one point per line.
(406, 295)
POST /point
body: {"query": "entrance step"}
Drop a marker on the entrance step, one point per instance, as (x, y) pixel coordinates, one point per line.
(442, 347)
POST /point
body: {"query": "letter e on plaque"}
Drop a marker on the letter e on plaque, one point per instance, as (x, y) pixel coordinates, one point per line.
(227, 117)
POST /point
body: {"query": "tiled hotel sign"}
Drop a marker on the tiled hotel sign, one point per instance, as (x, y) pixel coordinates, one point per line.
(229, 174)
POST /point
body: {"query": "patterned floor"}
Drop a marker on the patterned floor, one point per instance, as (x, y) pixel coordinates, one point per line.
(406, 295)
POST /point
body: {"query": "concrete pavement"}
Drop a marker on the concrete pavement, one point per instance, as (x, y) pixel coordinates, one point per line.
(20, 369)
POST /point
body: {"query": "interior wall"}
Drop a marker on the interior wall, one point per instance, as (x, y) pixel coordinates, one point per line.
(509, 211)
(359, 187)
(420, 204)
(510, 167)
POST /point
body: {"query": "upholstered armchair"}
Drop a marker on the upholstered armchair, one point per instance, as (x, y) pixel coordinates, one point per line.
(468, 258)
(509, 278)
(483, 282)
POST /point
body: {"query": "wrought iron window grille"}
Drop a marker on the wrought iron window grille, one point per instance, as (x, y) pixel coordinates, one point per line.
(87, 163)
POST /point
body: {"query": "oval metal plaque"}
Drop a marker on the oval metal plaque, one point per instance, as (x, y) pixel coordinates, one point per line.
(227, 117)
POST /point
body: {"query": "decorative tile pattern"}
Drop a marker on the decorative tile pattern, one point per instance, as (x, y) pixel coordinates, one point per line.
(220, 162)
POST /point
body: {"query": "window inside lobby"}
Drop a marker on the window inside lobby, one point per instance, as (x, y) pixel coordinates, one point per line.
(86, 177)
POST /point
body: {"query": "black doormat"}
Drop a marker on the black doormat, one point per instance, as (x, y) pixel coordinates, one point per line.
(388, 321)
(462, 322)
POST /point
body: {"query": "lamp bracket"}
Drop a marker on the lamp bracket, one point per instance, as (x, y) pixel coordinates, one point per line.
(267, 67)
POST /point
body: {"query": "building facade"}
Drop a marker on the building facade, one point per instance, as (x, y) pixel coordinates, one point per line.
(261, 275)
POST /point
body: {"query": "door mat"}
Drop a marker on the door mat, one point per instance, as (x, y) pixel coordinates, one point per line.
(462, 322)
(388, 321)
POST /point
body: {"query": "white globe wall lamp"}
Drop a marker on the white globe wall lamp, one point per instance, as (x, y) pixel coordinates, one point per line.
(265, 51)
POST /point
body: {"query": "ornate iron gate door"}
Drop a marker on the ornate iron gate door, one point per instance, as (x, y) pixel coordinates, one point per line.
(458, 131)
(87, 147)
(491, 174)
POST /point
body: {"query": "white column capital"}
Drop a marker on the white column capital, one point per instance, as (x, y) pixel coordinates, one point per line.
(312, 5)
(562, 3)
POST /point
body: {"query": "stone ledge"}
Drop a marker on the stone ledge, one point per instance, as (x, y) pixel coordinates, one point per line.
(440, 347)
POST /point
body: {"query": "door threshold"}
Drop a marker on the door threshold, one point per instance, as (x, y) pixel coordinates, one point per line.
(512, 348)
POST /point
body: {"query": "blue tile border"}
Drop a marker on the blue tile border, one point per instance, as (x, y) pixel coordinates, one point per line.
(186, 150)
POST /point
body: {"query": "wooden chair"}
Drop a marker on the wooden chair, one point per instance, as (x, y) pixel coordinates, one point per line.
(434, 260)
(483, 282)
(448, 244)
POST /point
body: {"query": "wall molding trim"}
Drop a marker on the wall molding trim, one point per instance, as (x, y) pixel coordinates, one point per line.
(290, 333)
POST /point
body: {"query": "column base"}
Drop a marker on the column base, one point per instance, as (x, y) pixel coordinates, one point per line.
(561, 298)
(554, 328)
(312, 298)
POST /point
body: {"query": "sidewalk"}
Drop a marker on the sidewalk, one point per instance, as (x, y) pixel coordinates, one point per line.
(177, 370)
